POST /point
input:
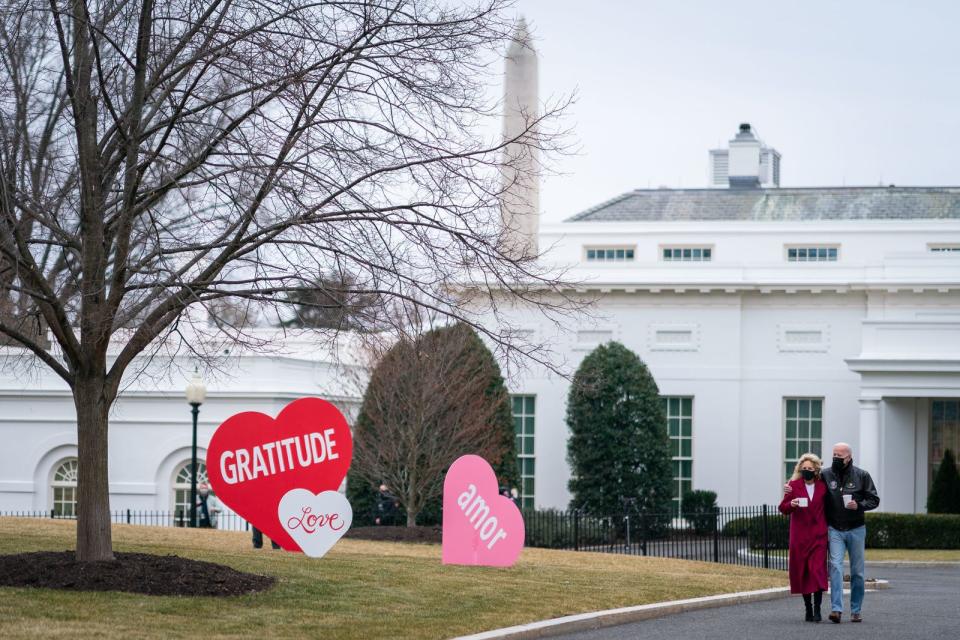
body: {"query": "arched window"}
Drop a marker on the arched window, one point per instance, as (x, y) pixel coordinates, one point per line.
(64, 486)
(181, 488)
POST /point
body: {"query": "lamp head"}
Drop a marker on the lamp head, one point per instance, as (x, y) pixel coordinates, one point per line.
(196, 391)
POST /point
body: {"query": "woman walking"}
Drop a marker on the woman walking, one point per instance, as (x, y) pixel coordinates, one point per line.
(808, 534)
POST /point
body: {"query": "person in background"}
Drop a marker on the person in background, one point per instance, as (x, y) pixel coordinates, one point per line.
(808, 534)
(208, 507)
(258, 539)
(388, 508)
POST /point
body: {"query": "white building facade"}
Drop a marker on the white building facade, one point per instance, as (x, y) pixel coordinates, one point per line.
(150, 437)
(775, 322)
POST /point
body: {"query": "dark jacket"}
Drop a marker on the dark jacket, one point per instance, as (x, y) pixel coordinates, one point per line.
(853, 481)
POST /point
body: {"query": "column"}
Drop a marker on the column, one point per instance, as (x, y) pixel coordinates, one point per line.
(868, 455)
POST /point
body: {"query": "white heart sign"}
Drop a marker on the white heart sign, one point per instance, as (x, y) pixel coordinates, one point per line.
(315, 521)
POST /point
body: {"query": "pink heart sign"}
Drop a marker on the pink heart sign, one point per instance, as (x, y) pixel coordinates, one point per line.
(480, 527)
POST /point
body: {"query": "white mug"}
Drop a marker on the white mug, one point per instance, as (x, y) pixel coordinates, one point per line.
(801, 502)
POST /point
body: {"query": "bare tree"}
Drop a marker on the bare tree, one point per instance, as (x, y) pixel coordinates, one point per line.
(161, 156)
(429, 401)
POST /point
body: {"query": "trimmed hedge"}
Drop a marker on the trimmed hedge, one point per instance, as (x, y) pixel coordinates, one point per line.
(913, 531)
(554, 529)
(699, 510)
(884, 531)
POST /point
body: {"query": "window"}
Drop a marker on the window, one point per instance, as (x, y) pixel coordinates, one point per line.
(679, 413)
(181, 489)
(804, 430)
(524, 410)
(944, 248)
(824, 253)
(609, 254)
(64, 487)
(687, 254)
(944, 433)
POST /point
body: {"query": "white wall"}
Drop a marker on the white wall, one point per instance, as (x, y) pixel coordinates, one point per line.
(737, 375)
(150, 424)
(740, 307)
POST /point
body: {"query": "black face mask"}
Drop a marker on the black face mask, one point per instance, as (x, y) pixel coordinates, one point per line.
(807, 474)
(838, 465)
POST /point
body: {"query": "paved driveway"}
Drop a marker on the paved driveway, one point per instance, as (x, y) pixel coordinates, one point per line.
(921, 603)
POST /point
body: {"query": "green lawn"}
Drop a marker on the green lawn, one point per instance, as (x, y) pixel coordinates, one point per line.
(359, 590)
(915, 555)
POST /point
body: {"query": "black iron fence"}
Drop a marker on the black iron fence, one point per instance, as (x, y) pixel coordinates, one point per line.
(751, 536)
(149, 518)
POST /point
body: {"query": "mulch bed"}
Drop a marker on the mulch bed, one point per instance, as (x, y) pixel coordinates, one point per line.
(131, 572)
(430, 535)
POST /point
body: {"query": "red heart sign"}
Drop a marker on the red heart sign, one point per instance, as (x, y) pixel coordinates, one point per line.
(254, 460)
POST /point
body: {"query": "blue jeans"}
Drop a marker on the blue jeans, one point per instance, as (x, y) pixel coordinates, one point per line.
(852, 542)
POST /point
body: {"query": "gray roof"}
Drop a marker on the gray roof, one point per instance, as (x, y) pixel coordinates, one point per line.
(778, 204)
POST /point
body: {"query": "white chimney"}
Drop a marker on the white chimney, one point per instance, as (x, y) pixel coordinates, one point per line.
(748, 163)
(744, 159)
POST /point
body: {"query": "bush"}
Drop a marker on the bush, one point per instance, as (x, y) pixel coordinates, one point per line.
(884, 531)
(736, 528)
(778, 530)
(913, 531)
(699, 509)
(618, 448)
(945, 492)
(554, 529)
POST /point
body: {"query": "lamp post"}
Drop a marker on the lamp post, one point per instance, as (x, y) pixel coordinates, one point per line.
(196, 393)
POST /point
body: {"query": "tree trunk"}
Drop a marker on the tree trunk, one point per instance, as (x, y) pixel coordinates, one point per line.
(411, 518)
(94, 539)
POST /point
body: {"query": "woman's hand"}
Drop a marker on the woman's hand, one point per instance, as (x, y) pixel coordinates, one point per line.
(795, 502)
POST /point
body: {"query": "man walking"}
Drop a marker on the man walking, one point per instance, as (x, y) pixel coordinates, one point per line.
(850, 493)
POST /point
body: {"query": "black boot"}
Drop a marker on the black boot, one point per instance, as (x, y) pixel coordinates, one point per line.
(817, 601)
(808, 607)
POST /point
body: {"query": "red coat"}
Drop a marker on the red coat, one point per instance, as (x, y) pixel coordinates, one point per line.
(808, 538)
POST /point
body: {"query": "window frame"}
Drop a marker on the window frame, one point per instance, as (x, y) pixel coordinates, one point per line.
(830, 252)
(525, 455)
(612, 253)
(176, 487)
(706, 253)
(677, 480)
(787, 465)
(64, 487)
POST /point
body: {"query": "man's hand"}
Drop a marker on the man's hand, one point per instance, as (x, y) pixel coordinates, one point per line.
(852, 505)
(787, 489)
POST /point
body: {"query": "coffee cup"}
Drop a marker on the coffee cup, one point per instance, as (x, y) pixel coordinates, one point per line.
(802, 502)
(847, 498)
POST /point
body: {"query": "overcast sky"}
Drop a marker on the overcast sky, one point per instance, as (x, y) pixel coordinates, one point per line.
(852, 92)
